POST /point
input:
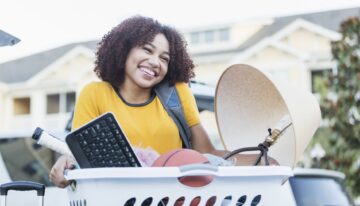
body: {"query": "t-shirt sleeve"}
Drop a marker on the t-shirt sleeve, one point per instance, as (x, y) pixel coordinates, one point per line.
(86, 106)
(188, 103)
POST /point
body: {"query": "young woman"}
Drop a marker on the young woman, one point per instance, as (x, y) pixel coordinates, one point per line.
(132, 59)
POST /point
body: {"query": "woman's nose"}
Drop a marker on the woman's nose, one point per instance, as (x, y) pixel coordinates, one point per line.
(154, 61)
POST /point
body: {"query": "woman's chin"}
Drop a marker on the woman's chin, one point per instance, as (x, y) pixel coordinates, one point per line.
(147, 84)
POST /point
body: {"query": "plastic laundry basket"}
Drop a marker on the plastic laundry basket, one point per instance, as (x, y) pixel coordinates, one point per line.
(246, 185)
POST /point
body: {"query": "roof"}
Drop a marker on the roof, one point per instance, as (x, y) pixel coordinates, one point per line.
(23, 69)
(329, 19)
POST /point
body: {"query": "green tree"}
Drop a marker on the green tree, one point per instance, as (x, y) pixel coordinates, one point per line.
(340, 101)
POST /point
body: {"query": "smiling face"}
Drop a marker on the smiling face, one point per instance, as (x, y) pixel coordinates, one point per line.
(147, 65)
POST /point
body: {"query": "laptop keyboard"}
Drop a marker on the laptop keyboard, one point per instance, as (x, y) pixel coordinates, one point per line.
(102, 144)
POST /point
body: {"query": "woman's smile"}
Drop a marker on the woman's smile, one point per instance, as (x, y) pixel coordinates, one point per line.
(148, 72)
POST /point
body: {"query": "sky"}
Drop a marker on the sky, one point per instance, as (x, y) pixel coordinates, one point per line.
(46, 24)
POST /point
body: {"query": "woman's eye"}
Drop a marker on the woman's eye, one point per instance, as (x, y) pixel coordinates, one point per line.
(165, 59)
(148, 50)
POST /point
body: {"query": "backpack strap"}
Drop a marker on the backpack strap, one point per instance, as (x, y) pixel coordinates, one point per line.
(169, 98)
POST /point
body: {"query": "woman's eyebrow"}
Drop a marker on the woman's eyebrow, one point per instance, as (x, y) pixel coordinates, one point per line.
(154, 47)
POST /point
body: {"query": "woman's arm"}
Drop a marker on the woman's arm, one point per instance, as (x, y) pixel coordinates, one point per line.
(201, 142)
(85, 110)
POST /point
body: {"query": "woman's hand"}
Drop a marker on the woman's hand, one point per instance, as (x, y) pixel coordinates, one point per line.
(56, 175)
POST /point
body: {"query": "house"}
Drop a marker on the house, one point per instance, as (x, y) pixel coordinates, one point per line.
(40, 90)
(293, 48)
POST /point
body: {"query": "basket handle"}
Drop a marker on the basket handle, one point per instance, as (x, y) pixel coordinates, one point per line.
(23, 186)
(198, 169)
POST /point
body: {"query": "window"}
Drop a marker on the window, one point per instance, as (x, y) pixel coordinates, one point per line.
(209, 36)
(224, 35)
(22, 106)
(318, 78)
(194, 38)
(53, 103)
(60, 103)
(70, 101)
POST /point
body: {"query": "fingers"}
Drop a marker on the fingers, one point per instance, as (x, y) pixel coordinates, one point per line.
(56, 175)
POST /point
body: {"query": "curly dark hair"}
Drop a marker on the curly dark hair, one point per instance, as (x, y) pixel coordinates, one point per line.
(137, 31)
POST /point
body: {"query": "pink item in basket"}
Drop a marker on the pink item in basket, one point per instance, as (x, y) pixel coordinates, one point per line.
(146, 156)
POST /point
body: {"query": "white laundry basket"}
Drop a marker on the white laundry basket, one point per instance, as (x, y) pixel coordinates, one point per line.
(246, 185)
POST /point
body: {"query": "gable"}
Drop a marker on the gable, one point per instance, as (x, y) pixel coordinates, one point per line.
(307, 41)
(268, 49)
(301, 23)
(269, 55)
(300, 39)
(66, 68)
(70, 70)
(306, 36)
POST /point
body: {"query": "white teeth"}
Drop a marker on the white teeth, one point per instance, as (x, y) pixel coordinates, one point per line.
(147, 71)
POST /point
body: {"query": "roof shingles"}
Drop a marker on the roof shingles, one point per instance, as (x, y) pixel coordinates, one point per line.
(23, 69)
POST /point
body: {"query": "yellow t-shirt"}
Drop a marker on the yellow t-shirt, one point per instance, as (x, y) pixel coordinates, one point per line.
(146, 126)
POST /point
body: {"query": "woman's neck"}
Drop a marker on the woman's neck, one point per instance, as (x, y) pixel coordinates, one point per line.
(134, 95)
